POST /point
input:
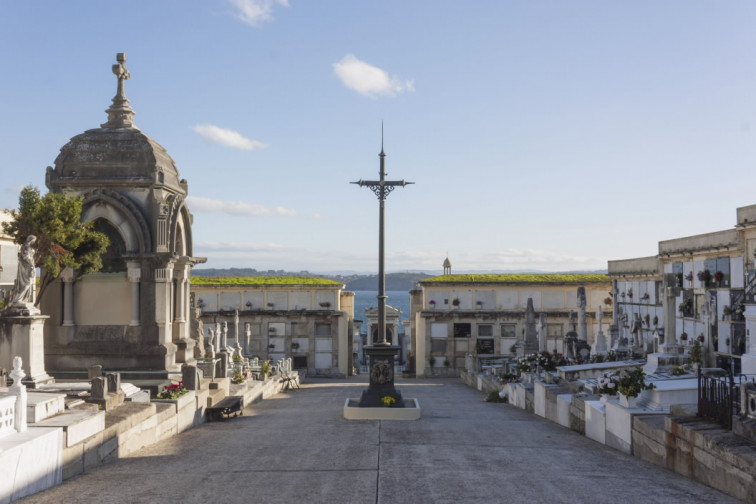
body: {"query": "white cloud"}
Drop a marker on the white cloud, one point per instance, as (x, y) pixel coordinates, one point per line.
(256, 12)
(237, 208)
(226, 137)
(369, 80)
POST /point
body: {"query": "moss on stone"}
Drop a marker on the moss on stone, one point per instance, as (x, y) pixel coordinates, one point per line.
(263, 280)
(521, 278)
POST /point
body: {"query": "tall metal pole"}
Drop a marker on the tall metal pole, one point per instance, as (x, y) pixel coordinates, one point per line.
(382, 188)
(381, 272)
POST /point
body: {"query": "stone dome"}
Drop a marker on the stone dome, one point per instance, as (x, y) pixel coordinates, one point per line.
(117, 152)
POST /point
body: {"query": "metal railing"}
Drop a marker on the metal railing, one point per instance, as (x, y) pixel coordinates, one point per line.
(718, 397)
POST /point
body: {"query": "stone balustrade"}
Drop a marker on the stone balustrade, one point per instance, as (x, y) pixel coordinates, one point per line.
(7, 415)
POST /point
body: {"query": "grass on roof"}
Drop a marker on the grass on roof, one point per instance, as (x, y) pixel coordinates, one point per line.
(522, 278)
(262, 280)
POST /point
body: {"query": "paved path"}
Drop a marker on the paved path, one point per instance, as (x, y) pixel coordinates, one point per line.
(297, 448)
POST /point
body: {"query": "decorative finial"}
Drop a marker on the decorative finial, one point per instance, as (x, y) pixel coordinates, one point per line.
(18, 372)
(120, 113)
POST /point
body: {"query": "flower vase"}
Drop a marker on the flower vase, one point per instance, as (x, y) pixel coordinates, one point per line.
(628, 402)
(605, 398)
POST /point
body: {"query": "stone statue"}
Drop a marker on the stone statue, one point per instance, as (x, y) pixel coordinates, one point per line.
(198, 332)
(20, 299)
(211, 350)
(635, 330)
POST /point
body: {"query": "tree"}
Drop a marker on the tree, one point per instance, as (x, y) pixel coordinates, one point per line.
(63, 241)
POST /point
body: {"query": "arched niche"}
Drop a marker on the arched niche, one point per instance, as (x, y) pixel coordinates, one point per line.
(112, 259)
(121, 213)
(181, 231)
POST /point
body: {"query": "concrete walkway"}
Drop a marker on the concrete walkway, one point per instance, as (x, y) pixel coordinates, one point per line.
(297, 448)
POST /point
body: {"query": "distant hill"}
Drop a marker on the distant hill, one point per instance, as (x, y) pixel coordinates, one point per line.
(353, 282)
(394, 281)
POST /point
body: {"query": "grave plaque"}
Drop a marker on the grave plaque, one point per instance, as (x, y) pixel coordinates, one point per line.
(485, 346)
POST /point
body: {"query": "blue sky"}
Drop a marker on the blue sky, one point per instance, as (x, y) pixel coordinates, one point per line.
(551, 135)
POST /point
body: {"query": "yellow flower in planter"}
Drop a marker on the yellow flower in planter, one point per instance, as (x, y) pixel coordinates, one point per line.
(388, 401)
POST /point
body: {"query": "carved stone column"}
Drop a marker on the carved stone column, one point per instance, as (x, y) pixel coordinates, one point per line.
(135, 275)
(67, 277)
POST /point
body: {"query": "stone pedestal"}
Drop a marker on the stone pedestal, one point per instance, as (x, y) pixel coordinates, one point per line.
(23, 336)
(381, 360)
(669, 356)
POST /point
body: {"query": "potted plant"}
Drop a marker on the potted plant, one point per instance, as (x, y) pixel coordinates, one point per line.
(608, 301)
(689, 277)
(432, 303)
(446, 362)
(696, 354)
(294, 345)
(686, 308)
(173, 391)
(325, 305)
(656, 320)
(704, 276)
(630, 293)
(265, 369)
(719, 276)
(455, 302)
(479, 304)
(684, 336)
(631, 384)
(248, 304)
(607, 385)
(432, 361)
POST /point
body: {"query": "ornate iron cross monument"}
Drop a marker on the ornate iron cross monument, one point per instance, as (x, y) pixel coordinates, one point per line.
(382, 188)
(381, 353)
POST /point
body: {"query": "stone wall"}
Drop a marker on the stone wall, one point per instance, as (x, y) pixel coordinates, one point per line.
(699, 449)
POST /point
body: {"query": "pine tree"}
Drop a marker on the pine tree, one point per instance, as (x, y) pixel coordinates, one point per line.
(63, 241)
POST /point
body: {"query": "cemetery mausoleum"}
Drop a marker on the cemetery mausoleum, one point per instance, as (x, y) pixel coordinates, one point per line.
(310, 320)
(487, 315)
(696, 288)
(134, 313)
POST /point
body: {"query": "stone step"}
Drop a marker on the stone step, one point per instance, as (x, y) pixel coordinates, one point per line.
(42, 405)
(215, 396)
(77, 425)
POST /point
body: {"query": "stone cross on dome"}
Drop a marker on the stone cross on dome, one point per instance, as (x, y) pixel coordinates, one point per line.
(120, 113)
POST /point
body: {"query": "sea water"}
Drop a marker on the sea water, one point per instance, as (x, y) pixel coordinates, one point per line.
(368, 299)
